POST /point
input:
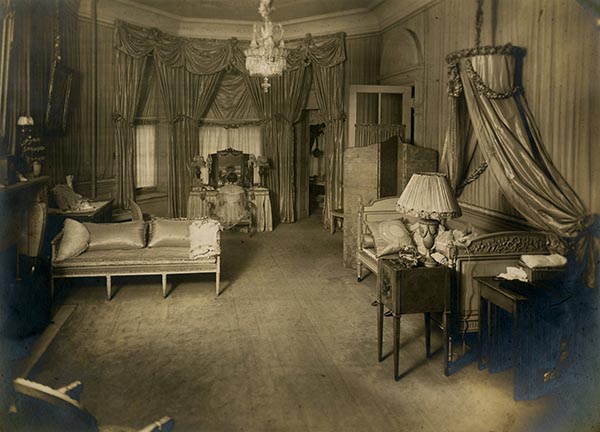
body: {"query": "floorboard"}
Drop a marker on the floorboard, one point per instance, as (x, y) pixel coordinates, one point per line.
(290, 345)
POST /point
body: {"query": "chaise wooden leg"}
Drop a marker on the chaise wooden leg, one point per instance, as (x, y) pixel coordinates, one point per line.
(51, 290)
(359, 271)
(164, 285)
(108, 288)
(218, 277)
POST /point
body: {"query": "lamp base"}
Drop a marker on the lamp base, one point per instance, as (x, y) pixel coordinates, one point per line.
(428, 229)
(430, 262)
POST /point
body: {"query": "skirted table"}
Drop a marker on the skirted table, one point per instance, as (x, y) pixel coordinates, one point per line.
(203, 203)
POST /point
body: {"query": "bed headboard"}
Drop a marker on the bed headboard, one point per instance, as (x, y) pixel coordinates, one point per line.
(489, 255)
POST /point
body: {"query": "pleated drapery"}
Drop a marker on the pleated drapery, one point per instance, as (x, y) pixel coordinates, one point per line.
(367, 134)
(329, 85)
(278, 109)
(281, 108)
(187, 96)
(512, 147)
(131, 79)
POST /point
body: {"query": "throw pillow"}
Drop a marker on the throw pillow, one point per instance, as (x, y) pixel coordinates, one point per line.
(204, 238)
(169, 233)
(123, 235)
(390, 236)
(74, 241)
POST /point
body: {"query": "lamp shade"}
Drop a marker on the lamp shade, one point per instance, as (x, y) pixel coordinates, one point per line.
(428, 196)
(25, 121)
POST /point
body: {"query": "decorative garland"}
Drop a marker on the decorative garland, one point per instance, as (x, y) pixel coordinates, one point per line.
(455, 86)
(484, 89)
(473, 177)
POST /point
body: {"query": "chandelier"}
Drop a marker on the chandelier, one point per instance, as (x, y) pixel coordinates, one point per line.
(267, 54)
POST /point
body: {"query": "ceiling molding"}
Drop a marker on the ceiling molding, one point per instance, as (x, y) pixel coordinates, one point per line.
(392, 12)
(372, 19)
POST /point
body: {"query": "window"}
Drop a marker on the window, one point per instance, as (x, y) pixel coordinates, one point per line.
(145, 156)
(245, 138)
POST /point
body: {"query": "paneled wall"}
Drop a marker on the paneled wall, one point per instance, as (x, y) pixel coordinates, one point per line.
(561, 74)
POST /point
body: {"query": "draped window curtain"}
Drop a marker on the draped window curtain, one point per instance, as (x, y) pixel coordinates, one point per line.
(281, 107)
(214, 138)
(190, 71)
(511, 144)
(329, 85)
(131, 79)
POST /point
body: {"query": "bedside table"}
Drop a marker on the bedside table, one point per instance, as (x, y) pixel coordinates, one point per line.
(413, 290)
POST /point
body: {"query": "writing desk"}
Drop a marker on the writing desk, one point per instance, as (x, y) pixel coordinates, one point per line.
(526, 303)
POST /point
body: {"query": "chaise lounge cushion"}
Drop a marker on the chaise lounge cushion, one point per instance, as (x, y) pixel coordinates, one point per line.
(169, 233)
(147, 256)
(124, 235)
(74, 241)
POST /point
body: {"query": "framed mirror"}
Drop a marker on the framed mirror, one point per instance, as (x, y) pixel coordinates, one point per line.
(59, 94)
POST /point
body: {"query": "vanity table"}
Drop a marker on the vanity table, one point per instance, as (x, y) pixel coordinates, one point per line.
(203, 203)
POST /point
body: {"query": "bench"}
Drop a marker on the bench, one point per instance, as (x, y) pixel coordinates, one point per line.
(166, 252)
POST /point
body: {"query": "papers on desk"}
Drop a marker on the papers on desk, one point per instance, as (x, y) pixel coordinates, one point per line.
(514, 273)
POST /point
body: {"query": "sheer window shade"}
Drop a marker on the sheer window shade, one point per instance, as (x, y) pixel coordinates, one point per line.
(145, 156)
(246, 138)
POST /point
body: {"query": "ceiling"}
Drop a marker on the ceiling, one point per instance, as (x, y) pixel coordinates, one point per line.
(247, 10)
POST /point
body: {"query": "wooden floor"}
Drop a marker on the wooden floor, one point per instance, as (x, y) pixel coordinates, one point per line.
(290, 345)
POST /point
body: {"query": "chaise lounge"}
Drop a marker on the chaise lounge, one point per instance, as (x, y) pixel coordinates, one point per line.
(121, 249)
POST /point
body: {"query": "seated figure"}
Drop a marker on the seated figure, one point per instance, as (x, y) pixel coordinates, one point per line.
(231, 203)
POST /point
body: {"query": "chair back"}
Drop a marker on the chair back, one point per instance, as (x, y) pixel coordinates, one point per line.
(42, 408)
(136, 211)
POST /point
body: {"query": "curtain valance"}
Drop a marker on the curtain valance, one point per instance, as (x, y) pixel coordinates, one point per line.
(197, 56)
(209, 56)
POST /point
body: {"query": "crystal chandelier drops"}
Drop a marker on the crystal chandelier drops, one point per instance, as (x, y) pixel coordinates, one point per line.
(267, 54)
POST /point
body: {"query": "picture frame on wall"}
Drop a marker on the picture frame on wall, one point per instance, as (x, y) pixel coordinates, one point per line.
(59, 95)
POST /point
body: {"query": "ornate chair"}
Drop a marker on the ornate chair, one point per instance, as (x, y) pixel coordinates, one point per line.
(42, 408)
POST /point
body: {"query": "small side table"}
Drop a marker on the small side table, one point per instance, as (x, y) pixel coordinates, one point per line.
(413, 290)
(522, 301)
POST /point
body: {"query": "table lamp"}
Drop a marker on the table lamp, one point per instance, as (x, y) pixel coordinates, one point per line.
(429, 197)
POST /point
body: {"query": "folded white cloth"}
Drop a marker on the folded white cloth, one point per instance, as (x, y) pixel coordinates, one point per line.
(537, 261)
(514, 273)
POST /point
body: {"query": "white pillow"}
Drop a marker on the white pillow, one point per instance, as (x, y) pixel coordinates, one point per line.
(204, 238)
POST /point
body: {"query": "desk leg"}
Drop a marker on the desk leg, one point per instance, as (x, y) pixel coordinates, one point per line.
(482, 334)
(519, 391)
(447, 337)
(379, 331)
(427, 334)
(396, 345)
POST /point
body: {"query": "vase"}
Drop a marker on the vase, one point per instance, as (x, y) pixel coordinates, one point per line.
(37, 169)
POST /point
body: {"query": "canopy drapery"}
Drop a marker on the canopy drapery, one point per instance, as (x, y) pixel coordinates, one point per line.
(278, 109)
(512, 147)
